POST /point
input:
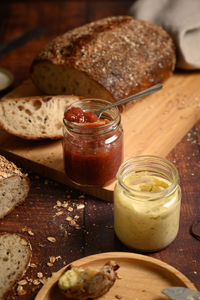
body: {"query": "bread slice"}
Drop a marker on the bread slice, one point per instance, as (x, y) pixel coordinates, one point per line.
(15, 255)
(88, 283)
(35, 117)
(14, 186)
(110, 58)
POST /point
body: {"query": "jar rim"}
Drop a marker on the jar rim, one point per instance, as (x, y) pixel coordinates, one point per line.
(149, 158)
(98, 103)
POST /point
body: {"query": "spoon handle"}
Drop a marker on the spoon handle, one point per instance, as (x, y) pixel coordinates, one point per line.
(146, 92)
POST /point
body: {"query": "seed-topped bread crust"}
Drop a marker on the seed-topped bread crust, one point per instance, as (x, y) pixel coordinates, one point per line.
(14, 186)
(8, 168)
(119, 53)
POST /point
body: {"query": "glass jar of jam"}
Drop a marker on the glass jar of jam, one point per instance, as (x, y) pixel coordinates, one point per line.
(147, 200)
(93, 151)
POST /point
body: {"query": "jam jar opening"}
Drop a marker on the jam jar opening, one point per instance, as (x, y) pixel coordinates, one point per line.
(93, 154)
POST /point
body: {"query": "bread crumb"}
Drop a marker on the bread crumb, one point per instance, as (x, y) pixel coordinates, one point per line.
(80, 206)
(70, 209)
(51, 239)
(30, 233)
(52, 259)
(24, 229)
(72, 223)
(58, 203)
(78, 226)
(59, 213)
(65, 204)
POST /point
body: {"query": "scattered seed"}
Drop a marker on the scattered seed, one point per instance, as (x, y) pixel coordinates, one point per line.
(51, 239)
(42, 280)
(36, 282)
(78, 226)
(22, 282)
(80, 206)
(20, 290)
(72, 223)
(24, 229)
(70, 209)
(30, 232)
(59, 213)
(49, 264)
(41, 245)
(33, 265)
(69, 218)
(39, 274)
(58, 203)
(52, 259)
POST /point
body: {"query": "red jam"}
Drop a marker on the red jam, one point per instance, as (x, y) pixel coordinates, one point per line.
(76, 114)
(91, 158)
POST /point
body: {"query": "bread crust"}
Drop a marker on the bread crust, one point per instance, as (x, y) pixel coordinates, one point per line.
(25, 243)
(122, 55)
(92, 286)
(7, 170)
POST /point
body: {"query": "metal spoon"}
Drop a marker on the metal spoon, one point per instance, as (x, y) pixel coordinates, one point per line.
(143, 93)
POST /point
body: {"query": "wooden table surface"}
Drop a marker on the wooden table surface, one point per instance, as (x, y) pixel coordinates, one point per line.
(94, 231)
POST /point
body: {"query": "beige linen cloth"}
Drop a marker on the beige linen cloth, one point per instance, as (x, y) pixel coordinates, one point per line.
(181, 19)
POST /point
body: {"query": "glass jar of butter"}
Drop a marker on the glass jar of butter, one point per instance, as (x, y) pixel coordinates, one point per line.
(147, 200)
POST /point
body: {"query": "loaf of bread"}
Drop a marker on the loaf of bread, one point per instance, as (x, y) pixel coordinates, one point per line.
(14, 186)
(110, 59)
(87, 283)
(35, 117)
(15, 255)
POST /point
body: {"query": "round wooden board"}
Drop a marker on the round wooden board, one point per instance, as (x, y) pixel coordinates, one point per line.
(140, 277)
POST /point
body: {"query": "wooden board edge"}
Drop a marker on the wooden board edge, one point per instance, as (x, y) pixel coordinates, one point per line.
(98, 192)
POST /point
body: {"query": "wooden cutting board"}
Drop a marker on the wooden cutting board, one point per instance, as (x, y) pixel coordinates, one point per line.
(152, 126)
(139, 277)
